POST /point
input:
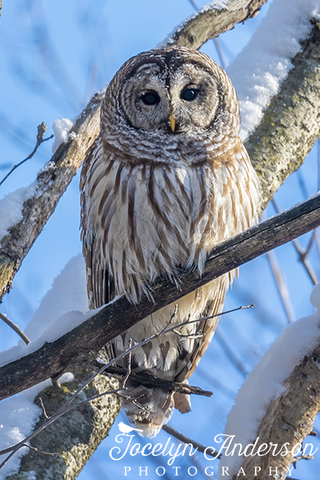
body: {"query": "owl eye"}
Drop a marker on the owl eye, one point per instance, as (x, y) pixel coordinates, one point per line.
(150, 98)
(189, 94)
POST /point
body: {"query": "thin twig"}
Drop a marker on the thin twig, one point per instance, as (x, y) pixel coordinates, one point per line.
(279, 280)
(201, 448)
(43, 408)
(41, 131)
(149, 380)
(123, 354)
(37, 450)
(230, 354)
(15, 328)
(282, 287)
(128, 358)
(301, 252)
(216, 383)
(303, 456)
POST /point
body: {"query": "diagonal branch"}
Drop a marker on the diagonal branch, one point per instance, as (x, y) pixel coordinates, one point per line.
(213, 20)
(289, 418)
(85, 341)
(42, 128)
(51, 183)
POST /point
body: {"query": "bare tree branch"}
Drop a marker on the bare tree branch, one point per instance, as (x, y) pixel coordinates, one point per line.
(201, 448)
(302, 252)
(84, 341)
(15, 328)
(281, 286)
(149, 380)
(41, 131)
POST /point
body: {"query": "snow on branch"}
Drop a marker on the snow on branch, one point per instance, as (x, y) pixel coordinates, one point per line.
(85, 341)
(213, 19)
(276, 407)
(290, 124)
(47, 189)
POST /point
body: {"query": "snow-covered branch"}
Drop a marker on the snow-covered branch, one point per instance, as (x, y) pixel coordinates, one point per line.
(276, 407)
(45, 193)
(290, 125)
(212, 20)
(74, 438)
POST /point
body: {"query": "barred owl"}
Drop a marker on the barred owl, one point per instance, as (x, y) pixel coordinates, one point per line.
(167, 179)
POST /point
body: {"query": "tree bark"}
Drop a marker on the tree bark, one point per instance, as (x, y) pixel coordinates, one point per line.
(289, 419)
(290, 125)
(210, 22)
(75, 436)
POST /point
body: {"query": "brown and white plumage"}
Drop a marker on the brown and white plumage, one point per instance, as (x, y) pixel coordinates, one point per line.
(167, 179)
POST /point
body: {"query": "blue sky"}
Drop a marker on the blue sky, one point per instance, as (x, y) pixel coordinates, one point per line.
(53, 57)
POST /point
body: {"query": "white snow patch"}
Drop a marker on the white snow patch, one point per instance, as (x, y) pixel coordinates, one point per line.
(264, 63)
(61, 129)
(265, 382)
(215, 5)
(66, 377)
(11, 207)
(60, 311)
(68, 292)
(18, 416)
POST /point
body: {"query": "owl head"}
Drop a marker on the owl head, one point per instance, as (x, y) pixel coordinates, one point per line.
(170, 92)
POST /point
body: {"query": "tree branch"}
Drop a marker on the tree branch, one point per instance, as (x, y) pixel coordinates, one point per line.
(290, 125)
(211, 21)
(84, 341)
(149, 380)
(51, 183)
(289, 418)
(74, 441)
(42, 128)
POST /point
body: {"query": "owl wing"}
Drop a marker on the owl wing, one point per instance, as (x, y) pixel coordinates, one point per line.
(100, 281)
(215, 291)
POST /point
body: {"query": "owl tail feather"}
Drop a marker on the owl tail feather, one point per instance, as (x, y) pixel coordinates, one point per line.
(147, 409)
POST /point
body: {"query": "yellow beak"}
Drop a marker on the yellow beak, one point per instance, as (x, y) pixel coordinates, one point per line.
(172, 122)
